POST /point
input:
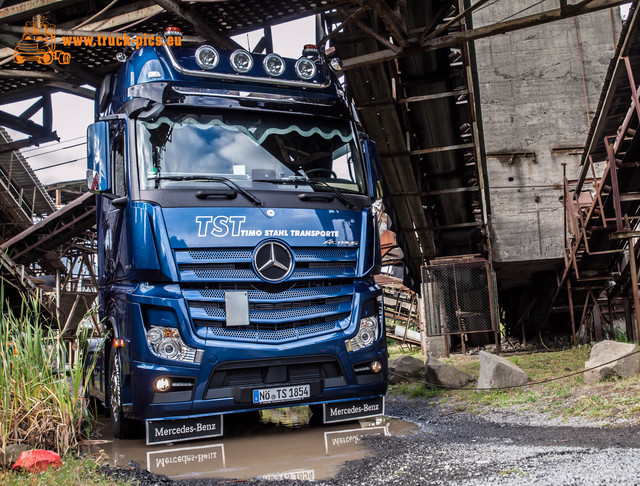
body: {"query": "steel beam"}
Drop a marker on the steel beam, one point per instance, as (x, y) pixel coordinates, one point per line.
(634, 285)
(391, 20)
(482, 32)
(8, 147)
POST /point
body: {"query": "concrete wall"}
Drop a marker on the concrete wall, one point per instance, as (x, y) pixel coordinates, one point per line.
(534, 112)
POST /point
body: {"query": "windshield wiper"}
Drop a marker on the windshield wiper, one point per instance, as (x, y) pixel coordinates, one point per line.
(304, 180)
(228, 182)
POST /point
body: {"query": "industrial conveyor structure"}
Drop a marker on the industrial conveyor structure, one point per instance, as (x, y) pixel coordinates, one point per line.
(600, 276)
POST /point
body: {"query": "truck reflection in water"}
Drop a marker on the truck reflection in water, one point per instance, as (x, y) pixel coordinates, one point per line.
(280, 444)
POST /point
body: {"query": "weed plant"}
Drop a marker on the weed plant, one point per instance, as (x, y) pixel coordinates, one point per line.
(42, 394)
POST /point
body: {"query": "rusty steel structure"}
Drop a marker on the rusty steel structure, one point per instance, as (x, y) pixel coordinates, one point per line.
(603, 207)
(403, 322)
(410, 67)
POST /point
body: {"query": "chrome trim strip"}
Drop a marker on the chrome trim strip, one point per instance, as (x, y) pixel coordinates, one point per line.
(237, 77)
(247, 95)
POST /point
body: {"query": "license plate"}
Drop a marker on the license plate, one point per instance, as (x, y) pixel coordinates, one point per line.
(281, 394)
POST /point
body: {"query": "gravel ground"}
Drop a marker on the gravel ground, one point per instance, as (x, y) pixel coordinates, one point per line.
(498, 448)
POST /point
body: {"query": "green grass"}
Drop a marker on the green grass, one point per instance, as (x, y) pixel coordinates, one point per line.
(570, 396)
(415, 390)
(74, 472)
(42, 401)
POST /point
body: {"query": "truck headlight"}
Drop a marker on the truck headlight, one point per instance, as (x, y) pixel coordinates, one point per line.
(368, 333)
(166, 342)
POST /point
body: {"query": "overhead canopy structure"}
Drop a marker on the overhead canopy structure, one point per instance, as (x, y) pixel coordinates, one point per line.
(409, 64)
(420, 109)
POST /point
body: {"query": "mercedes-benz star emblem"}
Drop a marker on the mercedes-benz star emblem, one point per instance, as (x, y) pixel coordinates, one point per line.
(273, 261)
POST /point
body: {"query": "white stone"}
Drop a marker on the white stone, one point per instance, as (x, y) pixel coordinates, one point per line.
(403, 367)
(621, 366)
(498, 372)
(443, 374)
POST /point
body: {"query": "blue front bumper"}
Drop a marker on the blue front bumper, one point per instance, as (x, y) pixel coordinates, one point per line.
(229, 373)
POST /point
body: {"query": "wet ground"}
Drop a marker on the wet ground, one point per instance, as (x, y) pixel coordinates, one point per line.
(281, 444)
(425, 443)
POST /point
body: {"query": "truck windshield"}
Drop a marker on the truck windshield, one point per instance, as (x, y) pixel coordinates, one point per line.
(254, 150)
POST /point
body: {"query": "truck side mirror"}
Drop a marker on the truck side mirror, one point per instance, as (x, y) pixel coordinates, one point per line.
(98, 164)
(374, 174)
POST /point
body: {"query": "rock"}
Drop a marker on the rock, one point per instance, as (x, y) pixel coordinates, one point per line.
(497, 372)
(12, 452)
(406, 367)
(606, 351)
(444, 374)
(37, 460)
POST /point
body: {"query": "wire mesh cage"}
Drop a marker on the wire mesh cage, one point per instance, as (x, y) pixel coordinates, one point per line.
(458, 297)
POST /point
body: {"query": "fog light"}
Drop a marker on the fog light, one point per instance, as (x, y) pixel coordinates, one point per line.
(376, 366)
(241, 61)
(163, 384)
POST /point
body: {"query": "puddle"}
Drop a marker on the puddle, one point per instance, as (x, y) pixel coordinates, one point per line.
(275, 444)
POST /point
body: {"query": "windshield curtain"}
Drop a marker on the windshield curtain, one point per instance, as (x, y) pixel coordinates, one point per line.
(269, 151)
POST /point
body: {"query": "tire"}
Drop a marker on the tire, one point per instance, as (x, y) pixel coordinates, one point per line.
(122, 427)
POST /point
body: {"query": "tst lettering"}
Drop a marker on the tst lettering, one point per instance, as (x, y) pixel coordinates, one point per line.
(219, 226)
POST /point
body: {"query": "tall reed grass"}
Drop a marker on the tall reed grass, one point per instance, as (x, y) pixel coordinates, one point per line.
(42, 394)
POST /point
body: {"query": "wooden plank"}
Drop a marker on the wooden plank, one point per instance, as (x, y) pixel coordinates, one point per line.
(455, 190)
(623, 235)
(414, 99)
(432, 150)
(630, 196)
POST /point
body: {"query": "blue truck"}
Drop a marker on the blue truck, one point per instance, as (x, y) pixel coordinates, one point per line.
(237, 242)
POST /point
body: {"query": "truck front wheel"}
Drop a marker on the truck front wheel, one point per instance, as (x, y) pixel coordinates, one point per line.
(122, 427)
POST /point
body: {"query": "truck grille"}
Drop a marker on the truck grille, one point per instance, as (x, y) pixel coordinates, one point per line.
(314, 300)
(234, 265)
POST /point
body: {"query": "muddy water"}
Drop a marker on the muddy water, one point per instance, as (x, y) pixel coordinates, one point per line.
(277, 444)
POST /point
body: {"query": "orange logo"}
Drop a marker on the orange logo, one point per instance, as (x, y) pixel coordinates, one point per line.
(38, 43)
